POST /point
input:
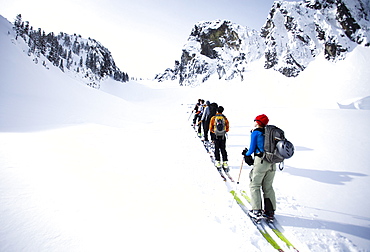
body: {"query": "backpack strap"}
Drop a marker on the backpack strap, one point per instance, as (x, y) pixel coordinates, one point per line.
(262, 130)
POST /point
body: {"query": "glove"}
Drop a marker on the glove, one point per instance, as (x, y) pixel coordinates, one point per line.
(249, 160)
(245, 151)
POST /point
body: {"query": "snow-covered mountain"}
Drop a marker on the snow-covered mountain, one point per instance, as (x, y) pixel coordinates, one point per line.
(120, 168)
(84, 59)
(294, 34)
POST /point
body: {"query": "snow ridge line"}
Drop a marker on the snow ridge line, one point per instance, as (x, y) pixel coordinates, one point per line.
(273, 227)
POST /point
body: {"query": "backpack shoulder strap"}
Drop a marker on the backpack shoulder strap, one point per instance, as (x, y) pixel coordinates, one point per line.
(262, 130)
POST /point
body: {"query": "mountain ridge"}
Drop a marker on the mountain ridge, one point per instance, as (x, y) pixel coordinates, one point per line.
(86, 60)
(294, 34)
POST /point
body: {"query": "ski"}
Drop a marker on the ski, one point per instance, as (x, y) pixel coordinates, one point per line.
(222, 175)
(209, 152)
(273, 227)
(228, 175)
(207, 146)
(281, 235)
(260, 227)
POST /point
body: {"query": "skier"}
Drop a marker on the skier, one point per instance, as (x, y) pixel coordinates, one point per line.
(205, 121)
(212, 112)
(220, 138)
(196, 110)
(200, 114)
(262, 174)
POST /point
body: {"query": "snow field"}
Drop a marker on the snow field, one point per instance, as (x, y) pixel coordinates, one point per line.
(121, 169)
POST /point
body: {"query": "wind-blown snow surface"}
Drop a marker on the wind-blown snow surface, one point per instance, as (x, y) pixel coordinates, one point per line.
(120, 169)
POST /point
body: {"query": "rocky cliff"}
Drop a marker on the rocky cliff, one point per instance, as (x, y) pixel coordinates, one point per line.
(294, 34)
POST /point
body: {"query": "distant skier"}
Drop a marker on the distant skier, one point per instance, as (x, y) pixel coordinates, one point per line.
(262, 174)
(200, 114)
(219, 126)
(212, 112)
(205, 121)
(196, 112)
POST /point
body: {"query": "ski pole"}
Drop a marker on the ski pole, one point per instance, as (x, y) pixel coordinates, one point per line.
(237, 183)
(190, 114)
(240, 172)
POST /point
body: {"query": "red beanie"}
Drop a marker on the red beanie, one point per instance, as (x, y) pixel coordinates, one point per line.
(262, 120)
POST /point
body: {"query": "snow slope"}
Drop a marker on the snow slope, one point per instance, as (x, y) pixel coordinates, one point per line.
(121, 169)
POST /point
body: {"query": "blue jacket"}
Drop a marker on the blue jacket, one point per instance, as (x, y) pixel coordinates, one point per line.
(257, 143)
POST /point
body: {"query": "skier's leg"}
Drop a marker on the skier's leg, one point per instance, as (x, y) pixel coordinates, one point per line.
(223, 149)
(217, 149)
(256, 176)
(268, 190)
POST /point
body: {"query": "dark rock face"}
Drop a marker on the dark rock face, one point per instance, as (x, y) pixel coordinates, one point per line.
(294, 34)
(218, 47)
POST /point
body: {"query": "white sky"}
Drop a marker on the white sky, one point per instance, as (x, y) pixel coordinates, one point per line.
(144, 36)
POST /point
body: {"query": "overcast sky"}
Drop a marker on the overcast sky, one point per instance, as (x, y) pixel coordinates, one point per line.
(144, 36)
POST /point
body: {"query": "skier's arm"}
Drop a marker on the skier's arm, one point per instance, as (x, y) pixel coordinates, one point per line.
(253, 143)
(212, 124)
(205, 113)
(227, 124)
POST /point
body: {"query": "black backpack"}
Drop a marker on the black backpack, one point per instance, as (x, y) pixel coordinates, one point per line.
(212, 109)
(274, 142)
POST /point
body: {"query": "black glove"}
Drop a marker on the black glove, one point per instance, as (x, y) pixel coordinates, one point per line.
(249, 160)
(245, 151)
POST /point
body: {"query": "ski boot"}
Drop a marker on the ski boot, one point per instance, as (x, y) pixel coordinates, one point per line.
(255, 215)
(218, 165)
(269, 216)
(225, 166)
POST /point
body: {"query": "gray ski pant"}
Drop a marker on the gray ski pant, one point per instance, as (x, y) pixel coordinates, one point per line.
(262, 175)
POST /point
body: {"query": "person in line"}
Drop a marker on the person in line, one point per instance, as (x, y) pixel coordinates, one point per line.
(212, 112)
(262, 174)
(205, 121)
(196, 111)
(200, 114)
(220, 137)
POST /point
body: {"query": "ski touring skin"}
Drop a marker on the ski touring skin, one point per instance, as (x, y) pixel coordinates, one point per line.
(271, 225)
